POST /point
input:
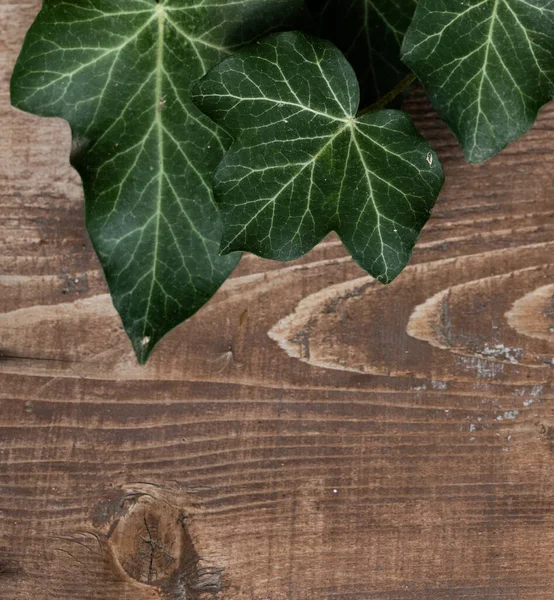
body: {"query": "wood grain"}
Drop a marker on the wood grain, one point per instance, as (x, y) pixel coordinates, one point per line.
(309, 434)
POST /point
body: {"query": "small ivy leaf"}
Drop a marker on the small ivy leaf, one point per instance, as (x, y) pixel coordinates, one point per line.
(302, 165)
(487, 65)
(370, 33)
(120, 73)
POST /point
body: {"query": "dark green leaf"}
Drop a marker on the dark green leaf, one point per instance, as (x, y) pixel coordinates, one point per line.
(370, 34)
(302, 165)
(487, 65)
(120, 73)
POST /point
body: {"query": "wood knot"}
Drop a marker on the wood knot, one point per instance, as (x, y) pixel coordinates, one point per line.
(148, 540)
(151, 543)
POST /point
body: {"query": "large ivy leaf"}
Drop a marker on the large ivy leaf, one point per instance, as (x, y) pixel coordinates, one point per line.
(120, 73)
(487, 65)
(370, 33)
(302, 165)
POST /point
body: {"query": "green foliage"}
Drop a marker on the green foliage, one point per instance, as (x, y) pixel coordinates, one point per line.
(487, 65)
(370, 33)
(303, 165)
(120, 73)
(303, 160)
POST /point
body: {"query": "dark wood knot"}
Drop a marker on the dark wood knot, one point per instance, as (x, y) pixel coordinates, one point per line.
(148, 541)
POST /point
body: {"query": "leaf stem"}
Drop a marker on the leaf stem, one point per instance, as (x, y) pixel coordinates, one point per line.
(390, 96)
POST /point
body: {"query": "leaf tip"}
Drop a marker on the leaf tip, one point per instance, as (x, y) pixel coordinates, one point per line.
(143, 347)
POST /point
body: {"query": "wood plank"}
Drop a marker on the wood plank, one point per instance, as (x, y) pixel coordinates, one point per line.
(309, 434)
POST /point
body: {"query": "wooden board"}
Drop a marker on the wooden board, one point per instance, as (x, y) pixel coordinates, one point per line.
(309, 434)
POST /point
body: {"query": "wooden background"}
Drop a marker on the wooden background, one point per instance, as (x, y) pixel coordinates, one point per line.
(308, 435)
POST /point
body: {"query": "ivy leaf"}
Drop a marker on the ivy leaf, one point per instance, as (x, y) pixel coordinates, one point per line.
(487, 65)
(120, 73)
(303, 165)
(370, 33)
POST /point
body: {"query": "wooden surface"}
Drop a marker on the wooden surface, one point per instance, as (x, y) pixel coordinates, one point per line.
(308, 435)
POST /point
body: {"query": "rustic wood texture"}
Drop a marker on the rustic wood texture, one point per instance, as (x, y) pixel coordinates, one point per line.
(309, 434)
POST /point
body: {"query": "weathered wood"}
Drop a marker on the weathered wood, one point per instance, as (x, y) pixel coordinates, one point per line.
(309, 434)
